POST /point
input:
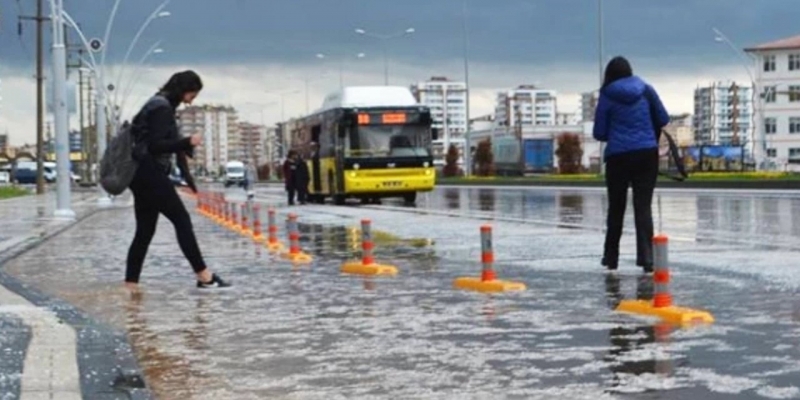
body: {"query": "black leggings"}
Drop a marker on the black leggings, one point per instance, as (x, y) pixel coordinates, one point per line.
(639, 170)
(154, 194)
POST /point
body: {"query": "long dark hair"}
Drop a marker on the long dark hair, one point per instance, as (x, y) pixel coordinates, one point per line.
(179, 84)
(617, 68)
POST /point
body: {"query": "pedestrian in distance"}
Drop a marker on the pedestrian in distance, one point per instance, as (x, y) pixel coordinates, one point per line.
(302, 179)
(629, 118)
(290, 175)
(156, 138)
(250, 178)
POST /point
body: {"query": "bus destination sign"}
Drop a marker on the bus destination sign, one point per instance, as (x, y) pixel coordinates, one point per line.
(384, 118)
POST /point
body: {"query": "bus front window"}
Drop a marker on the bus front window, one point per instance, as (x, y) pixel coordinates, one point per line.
(391, 141)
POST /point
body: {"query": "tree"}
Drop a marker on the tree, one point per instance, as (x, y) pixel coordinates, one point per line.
(484, 158)
(263, 172)
(451, 162)
(569, 153)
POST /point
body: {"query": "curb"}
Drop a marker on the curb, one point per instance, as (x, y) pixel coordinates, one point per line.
(97, 343)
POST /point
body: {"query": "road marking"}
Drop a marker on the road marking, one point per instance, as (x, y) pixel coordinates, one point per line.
(50, 370)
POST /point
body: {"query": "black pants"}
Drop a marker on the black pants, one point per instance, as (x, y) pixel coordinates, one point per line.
(290, 192)
(154, 194)
(639, 170)
(302, 194)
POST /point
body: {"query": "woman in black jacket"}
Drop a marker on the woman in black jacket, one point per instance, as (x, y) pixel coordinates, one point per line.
(157, 139)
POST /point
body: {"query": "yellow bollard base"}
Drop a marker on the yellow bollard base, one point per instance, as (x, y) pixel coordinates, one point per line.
(359, 268)
(675, 315)
(275, 247)
(298, 258)
(493, 286)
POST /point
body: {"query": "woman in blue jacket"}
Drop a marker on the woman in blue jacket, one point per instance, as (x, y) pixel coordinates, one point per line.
(628, 118)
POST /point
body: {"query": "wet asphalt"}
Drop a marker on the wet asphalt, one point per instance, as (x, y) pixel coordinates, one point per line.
(309, 332)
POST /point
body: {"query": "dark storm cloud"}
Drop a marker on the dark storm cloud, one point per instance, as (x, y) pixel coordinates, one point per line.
(676, 32)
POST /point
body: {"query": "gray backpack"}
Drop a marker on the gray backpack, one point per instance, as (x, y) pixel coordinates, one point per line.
(118, 167)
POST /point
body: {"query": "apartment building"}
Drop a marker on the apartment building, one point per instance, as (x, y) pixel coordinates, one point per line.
(222, 141)
(526, 105)
(778, 84)
(723, 114)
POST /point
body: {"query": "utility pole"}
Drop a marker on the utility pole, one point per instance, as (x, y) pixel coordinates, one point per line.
(40, 19)
(64, 180)
(79, 66)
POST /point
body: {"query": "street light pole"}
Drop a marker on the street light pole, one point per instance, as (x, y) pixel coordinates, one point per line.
(467, 144)
(384, 38)
(758, 131)
(600, 56)
(322, 56)
(64, 177)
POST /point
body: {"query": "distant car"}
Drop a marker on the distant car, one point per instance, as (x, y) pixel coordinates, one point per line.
(5, 177)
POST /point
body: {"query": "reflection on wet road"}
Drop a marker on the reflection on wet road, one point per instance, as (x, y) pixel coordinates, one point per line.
(309, 332)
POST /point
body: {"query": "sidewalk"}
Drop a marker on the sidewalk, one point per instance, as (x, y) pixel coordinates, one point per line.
(49, 349)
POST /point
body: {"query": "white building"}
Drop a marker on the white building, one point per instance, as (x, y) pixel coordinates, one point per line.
(447, 101)
(222, 142)
(565, 118)
(526, 105)
(723, 114)
(588, 105)
(778, 83)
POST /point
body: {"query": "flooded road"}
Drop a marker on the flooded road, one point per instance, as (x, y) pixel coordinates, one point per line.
(308, 332)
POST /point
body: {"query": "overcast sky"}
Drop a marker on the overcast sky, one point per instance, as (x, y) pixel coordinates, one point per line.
(245, 47)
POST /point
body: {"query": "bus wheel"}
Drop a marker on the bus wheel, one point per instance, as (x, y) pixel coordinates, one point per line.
(410, 198)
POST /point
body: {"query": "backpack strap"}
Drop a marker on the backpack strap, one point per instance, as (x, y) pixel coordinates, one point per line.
(674, 153)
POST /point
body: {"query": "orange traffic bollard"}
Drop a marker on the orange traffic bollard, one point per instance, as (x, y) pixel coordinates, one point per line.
(234, 224)
(295, 254)
(662, 297)
(258, 237)
(367, 265)
(488, 281)
(244, 226)
(273, 244)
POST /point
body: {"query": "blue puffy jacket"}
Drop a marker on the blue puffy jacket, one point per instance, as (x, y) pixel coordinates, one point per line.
(623, 119)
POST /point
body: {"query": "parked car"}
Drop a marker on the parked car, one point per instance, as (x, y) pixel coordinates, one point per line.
(5, 177)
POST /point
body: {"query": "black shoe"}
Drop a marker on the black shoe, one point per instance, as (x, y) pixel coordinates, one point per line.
(611, 266)
(216, 282)
(648, 269)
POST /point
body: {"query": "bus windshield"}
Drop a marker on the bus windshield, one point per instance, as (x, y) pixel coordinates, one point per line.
(390, 141)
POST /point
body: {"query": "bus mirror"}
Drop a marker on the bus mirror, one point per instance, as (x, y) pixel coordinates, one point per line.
(434, 133)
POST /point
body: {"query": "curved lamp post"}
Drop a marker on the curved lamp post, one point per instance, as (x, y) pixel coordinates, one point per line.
(384, 39)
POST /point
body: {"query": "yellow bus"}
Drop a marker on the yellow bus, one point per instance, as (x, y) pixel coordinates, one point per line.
(367, 143)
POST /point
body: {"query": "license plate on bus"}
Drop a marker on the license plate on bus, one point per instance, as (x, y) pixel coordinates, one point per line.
(392, 183)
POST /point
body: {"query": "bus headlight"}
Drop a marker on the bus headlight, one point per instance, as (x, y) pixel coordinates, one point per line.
(355, 166)
(425, 164)
(352, 174)
(427, 172)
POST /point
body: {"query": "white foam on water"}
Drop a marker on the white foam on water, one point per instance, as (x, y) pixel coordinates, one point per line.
(640, 383)
(723, 383)
(772, 392)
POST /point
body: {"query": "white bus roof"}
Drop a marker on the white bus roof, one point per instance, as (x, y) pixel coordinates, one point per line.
(370, 96)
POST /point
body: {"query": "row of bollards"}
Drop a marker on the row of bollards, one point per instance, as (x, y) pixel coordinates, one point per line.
(214, 206)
